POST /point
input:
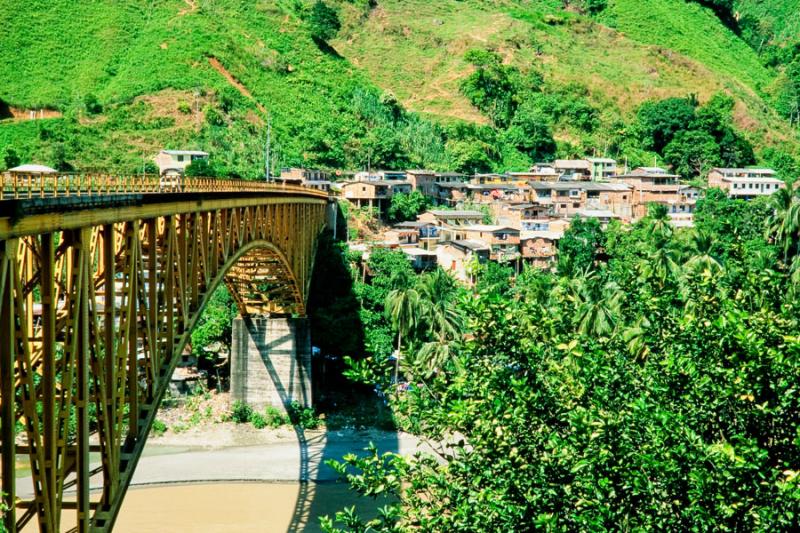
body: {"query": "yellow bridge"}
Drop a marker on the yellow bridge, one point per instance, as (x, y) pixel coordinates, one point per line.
(101, 281)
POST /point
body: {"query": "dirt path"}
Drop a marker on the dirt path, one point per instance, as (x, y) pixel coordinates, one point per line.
(219, 67)
(191, 7)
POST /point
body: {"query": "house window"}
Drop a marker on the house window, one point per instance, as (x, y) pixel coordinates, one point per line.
(576, 205)
(180, 159)
(363, 189)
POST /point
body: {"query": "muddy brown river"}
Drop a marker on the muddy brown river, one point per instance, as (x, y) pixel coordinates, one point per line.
(234, 507)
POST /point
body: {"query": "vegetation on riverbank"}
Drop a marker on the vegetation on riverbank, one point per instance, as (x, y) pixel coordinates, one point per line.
(650, 382)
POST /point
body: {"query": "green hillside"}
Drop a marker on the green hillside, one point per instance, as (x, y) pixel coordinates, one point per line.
(124, 79)
(779, 19)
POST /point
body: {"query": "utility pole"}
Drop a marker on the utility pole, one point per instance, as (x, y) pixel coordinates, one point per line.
(267, 170)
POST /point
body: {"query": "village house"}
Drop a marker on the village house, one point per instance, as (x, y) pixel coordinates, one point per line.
(457, 257)
(545, 224)
(451, 218)
(174, 162)
(573, 169)
(375, 194)
(482, 179)
(538, 172)
(401, 236)
(503, 241)
(567, 198)
(31, 170)
(681, 214)
(303, 174)
(450, 177)
(651, 185)
(424, 233)
(423, 181)
(420, 259)
(320, 185)
(540, 248)
(604, 216)
(380, 175)
(745, 183)
(307, 177)
(451, 193)
(513, 214)
(602, 168)
(494, 192)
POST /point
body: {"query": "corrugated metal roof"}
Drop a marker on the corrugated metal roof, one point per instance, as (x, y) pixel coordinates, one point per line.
(185, 152)
(455, 213)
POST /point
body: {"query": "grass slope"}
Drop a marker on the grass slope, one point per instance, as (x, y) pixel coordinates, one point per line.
(780, 18)
(119, 50)
(146, 60)
(637, 50)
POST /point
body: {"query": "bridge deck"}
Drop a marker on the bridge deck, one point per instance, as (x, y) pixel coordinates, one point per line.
(52, 203)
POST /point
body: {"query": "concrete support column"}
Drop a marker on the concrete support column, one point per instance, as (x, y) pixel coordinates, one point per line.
(271, 361)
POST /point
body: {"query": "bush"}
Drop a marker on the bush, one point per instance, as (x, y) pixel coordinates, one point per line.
(323, 21)
(92, 104)
(241, 412)
(159, 428)
(184, 108)
(275, 418)
(258, 420)
(302, 416)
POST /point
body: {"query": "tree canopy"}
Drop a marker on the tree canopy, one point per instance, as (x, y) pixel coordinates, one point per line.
(649, 386)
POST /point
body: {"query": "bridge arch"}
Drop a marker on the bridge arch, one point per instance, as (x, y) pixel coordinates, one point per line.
(98, 297)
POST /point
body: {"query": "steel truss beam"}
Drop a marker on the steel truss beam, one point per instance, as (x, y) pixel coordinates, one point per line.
(93, 318)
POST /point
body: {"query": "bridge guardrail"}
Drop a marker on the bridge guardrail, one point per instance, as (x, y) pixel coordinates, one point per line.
(20, 186)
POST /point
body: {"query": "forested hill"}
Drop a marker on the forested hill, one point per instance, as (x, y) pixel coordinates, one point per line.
(467, 85)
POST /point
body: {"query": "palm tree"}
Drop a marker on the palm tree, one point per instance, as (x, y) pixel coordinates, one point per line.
(662, 263)
(784, 224)
(598, 306)
(701, 244)
(442, 316)
(659, 226)
(402, 307)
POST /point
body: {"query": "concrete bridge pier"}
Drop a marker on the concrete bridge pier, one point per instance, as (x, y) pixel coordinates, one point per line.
(271, 361)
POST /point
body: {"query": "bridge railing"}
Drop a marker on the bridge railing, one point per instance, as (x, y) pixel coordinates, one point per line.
(19, 186)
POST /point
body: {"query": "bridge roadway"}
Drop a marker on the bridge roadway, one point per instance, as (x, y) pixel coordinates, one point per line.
(102, 279)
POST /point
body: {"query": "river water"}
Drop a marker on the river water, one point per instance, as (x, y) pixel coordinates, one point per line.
(235, 507)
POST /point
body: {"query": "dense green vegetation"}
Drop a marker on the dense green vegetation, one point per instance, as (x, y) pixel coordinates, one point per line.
(407, 206)
(649, 384)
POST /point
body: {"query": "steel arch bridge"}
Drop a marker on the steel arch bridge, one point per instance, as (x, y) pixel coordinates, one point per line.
(101, 281)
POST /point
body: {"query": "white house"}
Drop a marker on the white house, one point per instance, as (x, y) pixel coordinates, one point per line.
(176, 161)
(745, 182)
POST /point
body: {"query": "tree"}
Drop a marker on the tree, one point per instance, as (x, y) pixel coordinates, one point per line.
(578, 249)
(493, 87)
(200, 168)
(407, 206)
(10, 158)
(214, 324)
(788, 98)
(530, 132)
(692, 153)
(444, 321)
(92, 104)
(402, 309)
(660, 121)
(569, 411)
(784, 222)
(323, 22)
